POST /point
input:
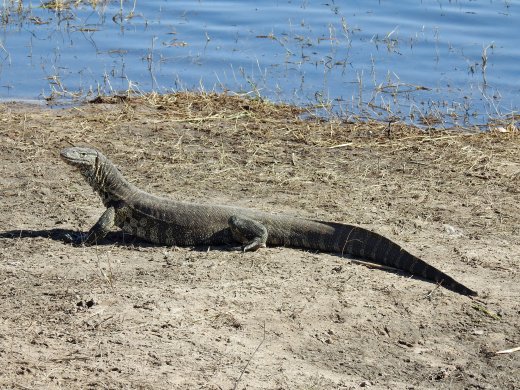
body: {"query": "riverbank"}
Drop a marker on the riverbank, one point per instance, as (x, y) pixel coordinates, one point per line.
(125, 314)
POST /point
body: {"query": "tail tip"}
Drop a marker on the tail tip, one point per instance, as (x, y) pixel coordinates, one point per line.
(472, 293)
(461, 289)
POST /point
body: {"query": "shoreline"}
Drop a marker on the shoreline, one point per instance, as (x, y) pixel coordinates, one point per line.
(125, 314)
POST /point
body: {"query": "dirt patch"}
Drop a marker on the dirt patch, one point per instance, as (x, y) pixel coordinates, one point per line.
(125, 314)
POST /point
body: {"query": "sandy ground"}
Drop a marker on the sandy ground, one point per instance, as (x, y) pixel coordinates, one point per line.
(128, 315)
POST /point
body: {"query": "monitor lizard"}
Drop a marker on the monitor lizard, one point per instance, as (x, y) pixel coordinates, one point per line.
(169, 222)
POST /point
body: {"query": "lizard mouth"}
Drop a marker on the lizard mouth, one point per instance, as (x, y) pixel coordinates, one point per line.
(65, 155)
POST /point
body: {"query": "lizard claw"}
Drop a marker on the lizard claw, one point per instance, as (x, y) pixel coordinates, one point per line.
(77, 238)
(253, 246)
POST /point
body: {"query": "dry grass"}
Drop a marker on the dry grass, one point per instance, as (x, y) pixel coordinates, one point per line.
(298, 122)
(235, 138)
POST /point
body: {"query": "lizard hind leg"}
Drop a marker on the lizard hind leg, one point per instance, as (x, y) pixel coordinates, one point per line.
(250, 233)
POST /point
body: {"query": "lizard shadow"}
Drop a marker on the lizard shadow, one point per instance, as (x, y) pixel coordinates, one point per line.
(119, 238)
(122, 239)
(68, 236)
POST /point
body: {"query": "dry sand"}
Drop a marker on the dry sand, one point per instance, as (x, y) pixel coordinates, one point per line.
(128, 315)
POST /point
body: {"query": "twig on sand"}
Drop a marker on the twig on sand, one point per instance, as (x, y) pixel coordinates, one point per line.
(369, 264)
(486, 311)
(432, 291)
(340, 145)
(511, 350)
(249, 361)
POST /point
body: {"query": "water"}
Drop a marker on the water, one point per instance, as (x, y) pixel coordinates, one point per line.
(449, 61)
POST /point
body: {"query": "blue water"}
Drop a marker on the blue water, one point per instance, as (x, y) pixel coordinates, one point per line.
(377, 59)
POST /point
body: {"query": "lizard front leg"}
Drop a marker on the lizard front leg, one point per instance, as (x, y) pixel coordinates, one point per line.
(250, 233)
(102, 226)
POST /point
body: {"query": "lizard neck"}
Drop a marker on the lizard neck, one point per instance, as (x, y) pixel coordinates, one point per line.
(108, 182)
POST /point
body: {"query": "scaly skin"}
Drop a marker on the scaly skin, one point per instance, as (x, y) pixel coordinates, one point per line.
(168, 222)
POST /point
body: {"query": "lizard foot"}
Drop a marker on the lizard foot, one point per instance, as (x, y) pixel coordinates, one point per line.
(252, 234)
(77, 238)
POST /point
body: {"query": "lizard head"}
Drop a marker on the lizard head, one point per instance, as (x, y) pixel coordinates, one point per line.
(87, 160)
(83, 158)
(99, 172)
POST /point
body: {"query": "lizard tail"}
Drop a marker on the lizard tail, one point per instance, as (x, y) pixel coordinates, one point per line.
(363, 243)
